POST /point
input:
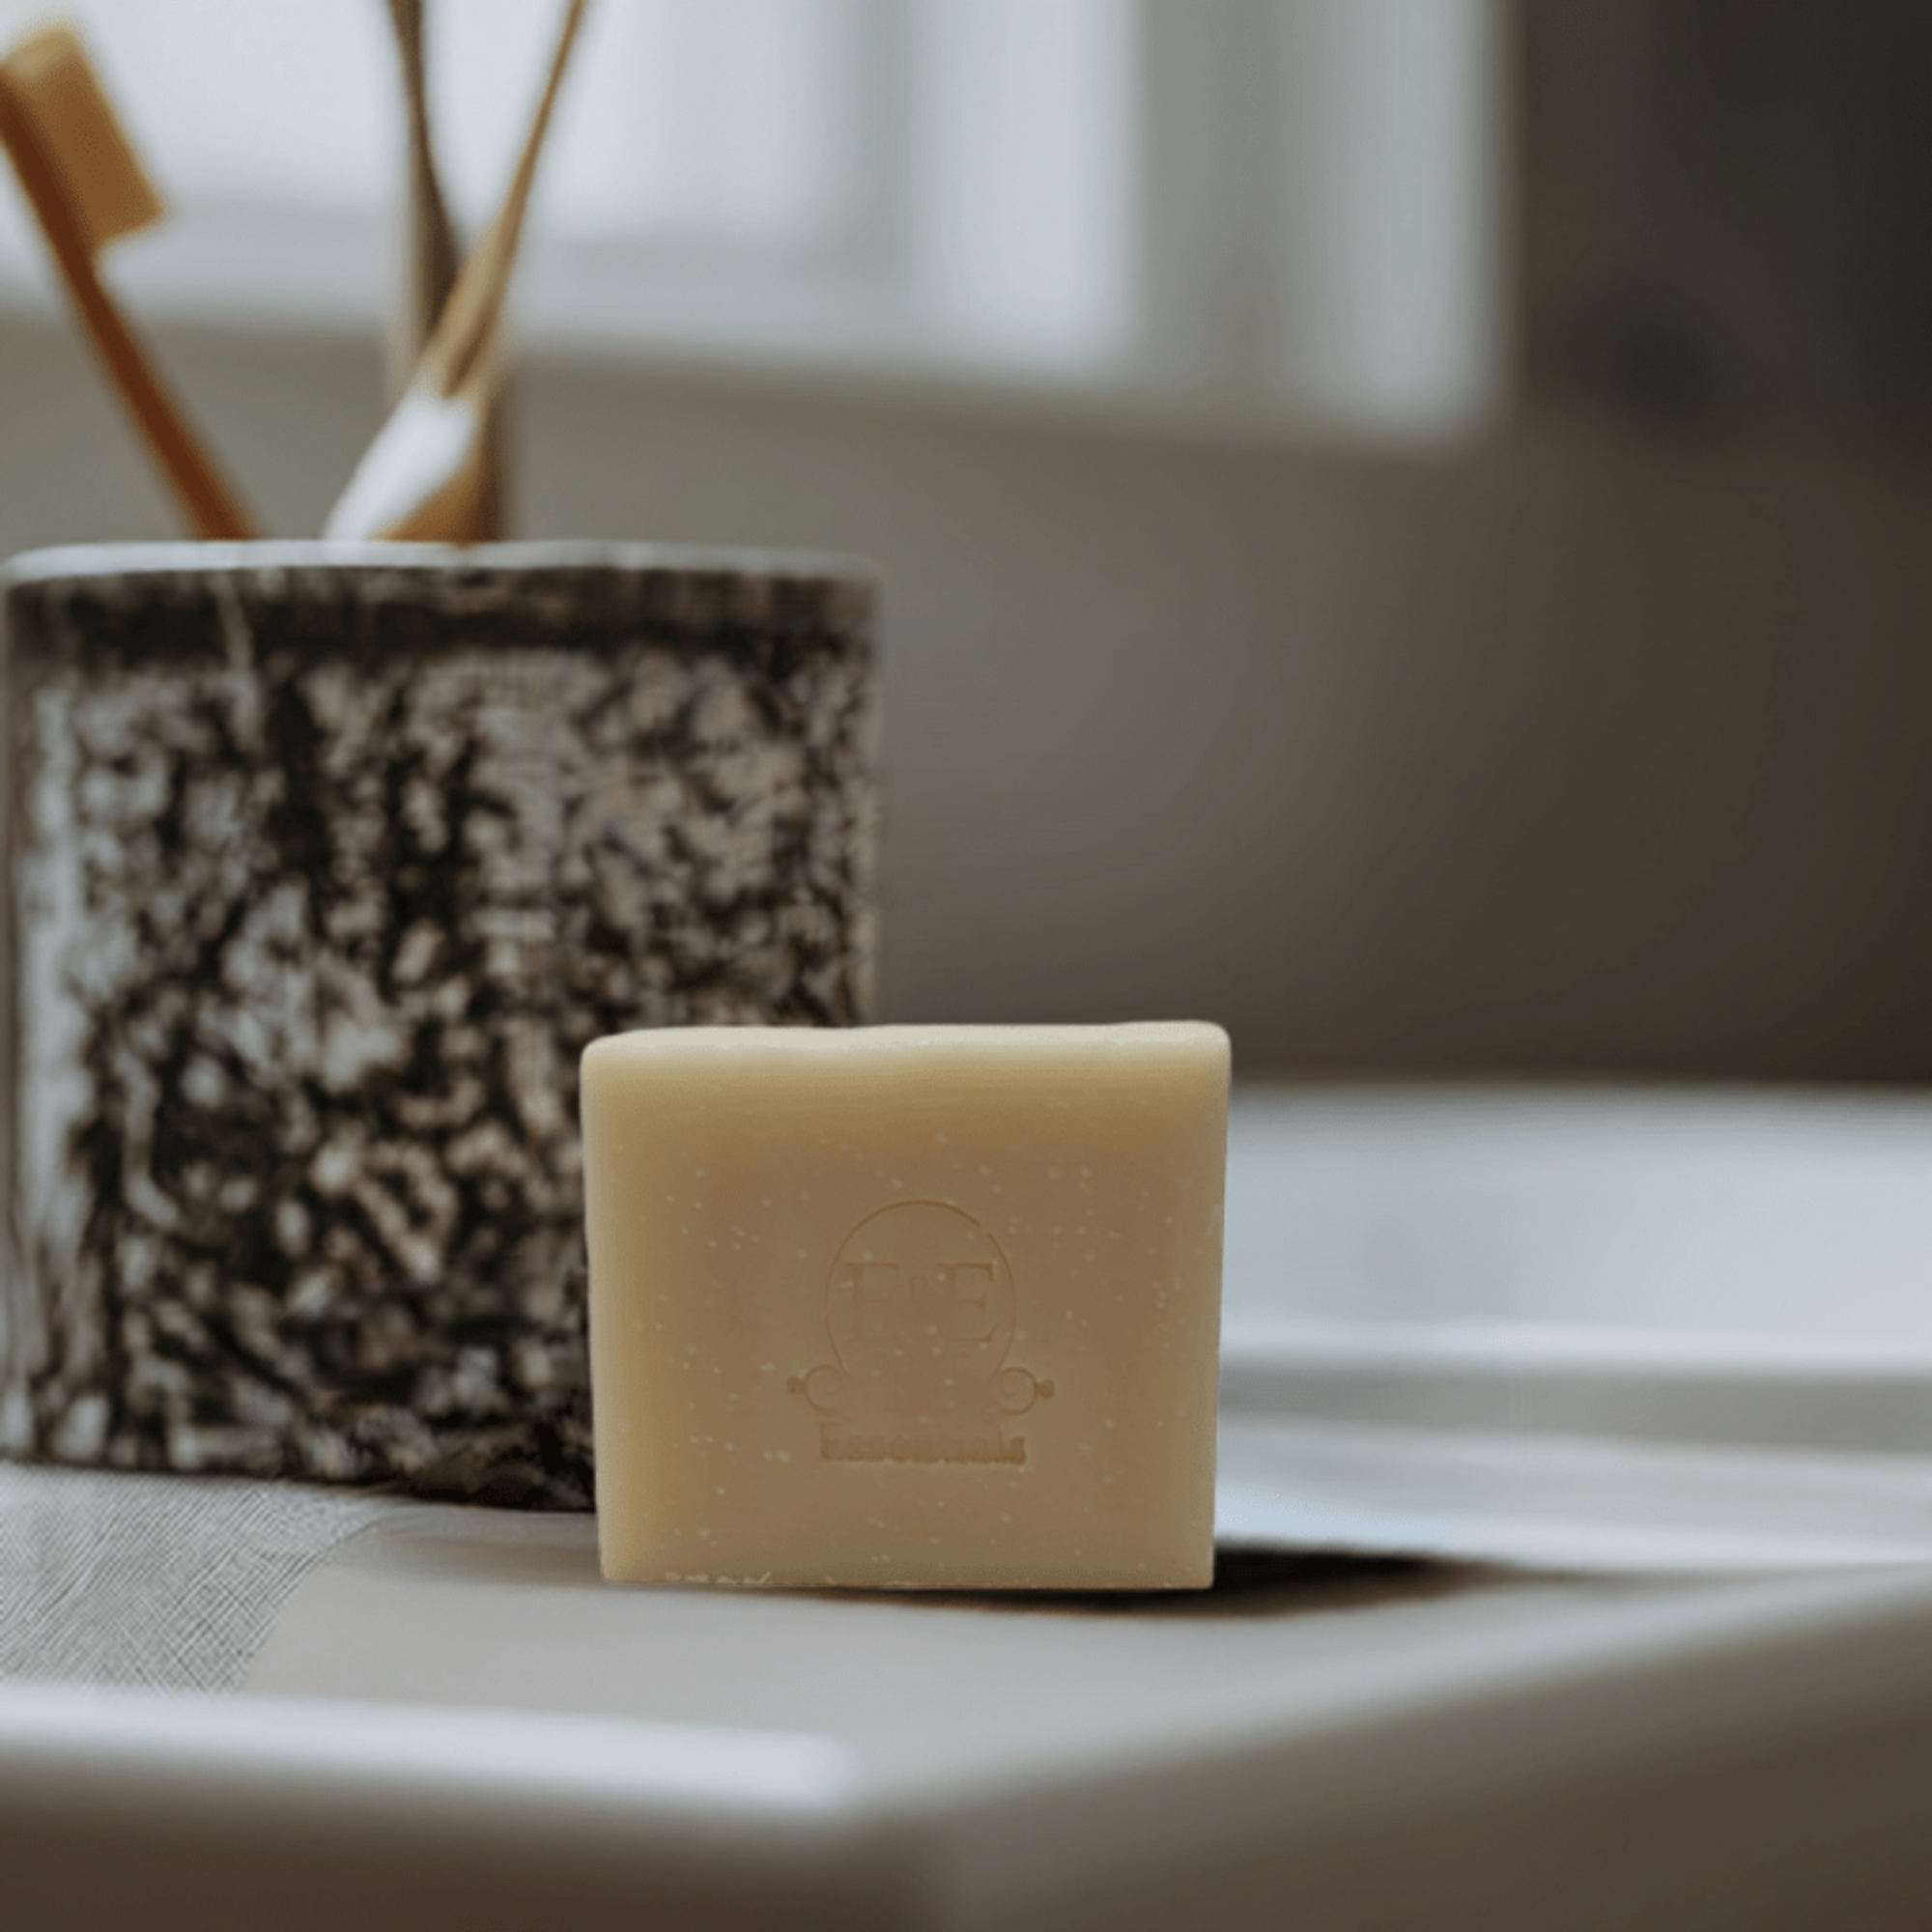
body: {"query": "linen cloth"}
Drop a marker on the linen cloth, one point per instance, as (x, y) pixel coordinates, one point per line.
(167, 1582)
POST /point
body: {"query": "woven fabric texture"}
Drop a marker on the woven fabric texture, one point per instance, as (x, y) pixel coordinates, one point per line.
(171, 1583)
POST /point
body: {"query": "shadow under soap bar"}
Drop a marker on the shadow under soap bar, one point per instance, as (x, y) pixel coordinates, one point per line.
(906, 1307)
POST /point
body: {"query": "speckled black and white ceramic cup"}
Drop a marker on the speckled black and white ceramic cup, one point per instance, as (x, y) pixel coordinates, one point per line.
(323, 864)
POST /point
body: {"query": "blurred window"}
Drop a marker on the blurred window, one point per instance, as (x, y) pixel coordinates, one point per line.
(1259, 208)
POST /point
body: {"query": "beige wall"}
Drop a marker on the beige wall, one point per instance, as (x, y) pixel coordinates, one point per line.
(1561, 753)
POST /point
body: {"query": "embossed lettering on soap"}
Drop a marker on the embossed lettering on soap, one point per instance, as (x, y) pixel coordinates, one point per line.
(922, 1310)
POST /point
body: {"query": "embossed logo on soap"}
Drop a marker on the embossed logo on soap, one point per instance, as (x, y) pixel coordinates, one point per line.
(922, 1310)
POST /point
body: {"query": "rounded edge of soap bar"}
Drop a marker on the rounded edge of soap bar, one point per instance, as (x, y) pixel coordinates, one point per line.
(899, 1036)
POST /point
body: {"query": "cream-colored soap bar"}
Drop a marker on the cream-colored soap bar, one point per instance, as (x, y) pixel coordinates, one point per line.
(907, 1307)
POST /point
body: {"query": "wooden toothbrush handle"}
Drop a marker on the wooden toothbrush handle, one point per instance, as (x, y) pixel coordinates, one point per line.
(210, 507)
(466, 330)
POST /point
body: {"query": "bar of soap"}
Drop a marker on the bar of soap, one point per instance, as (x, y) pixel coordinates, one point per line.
(906, 1307)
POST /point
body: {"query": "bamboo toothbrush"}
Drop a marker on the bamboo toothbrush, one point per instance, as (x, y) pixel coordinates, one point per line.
(432, 257)
(423, 477)
(432, 236)
(88, 189)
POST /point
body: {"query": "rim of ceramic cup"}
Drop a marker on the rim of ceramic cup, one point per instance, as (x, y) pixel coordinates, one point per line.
(177, 557)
